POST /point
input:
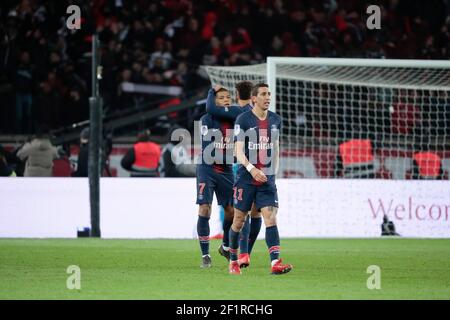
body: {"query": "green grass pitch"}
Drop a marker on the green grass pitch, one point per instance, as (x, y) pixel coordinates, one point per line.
(169, 269)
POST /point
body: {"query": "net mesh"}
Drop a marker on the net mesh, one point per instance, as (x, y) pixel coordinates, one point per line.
(401, 111)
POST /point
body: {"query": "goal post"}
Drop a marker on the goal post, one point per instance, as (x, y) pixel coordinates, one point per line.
(230, 76)
(401, 106)
(317, 65)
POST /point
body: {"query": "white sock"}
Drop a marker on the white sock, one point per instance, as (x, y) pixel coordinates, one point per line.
(206, 255)
(226, 248)
(274, 261)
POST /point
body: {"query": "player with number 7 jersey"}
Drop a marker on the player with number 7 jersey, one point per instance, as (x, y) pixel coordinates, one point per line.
(214, 172)
(250, 231)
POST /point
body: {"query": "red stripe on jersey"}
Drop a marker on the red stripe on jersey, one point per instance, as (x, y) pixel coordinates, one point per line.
(218, 168)
(262, 154)
(274, 248)
(224, 126)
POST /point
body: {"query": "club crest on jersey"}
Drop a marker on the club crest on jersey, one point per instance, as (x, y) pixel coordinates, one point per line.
(237, 129)
(204, 130)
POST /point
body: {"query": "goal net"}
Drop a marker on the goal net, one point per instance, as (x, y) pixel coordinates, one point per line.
(376, 115)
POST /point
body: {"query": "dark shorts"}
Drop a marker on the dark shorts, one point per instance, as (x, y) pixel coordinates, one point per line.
(210, 181)
(245, 194)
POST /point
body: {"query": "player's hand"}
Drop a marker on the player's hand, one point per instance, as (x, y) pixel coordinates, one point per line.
(258, 175)
(217, 87)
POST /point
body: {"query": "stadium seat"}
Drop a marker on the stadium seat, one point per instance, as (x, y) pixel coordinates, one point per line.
(62, 168)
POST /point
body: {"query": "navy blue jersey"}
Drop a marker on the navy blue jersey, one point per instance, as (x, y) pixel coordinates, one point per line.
(217, 143)
(260, 137)
(226, 113)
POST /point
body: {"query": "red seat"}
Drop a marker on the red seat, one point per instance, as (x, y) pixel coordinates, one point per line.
(62, 168)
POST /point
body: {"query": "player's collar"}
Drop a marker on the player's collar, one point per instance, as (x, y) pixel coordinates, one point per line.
(267, 115)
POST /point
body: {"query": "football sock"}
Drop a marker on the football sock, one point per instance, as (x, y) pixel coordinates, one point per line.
(273, 242)
(255, 227)
(234, 244)
(203, 234)
(243, 238)
(226, 232)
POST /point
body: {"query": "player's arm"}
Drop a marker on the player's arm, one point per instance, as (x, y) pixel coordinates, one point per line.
(257, 174)
(230, 112)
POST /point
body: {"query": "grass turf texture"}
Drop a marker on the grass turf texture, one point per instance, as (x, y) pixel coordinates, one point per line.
(169, 269)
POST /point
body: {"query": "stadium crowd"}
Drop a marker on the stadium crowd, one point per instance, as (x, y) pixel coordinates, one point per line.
(45, 67)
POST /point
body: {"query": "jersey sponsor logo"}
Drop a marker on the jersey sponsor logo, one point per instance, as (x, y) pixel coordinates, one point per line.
(224, 143)
(263, 144)
(217, 148)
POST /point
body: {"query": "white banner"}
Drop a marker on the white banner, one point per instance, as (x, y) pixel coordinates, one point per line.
(355, 208)
(43, 207)
(165, 208)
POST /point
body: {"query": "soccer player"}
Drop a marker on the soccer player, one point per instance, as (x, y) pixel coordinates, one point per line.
(257, 150)
(249, 232)
(214, 173)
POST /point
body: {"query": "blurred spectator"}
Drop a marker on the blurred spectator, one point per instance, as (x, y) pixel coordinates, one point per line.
(39, 155)
(175, 161)
(11, 158)
(5, 168)
(164, 43)
(161, 58)
(214, 53)
(24, 100)
(142, 160)
(83, 155)
(189, 38)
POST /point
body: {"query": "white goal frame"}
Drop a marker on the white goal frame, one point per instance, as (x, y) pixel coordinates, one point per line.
(272, 63)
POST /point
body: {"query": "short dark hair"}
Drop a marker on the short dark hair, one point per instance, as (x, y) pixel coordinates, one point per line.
(244, 88)
(256, 88)
(85, 134)
(222, 89)
(144, 136)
